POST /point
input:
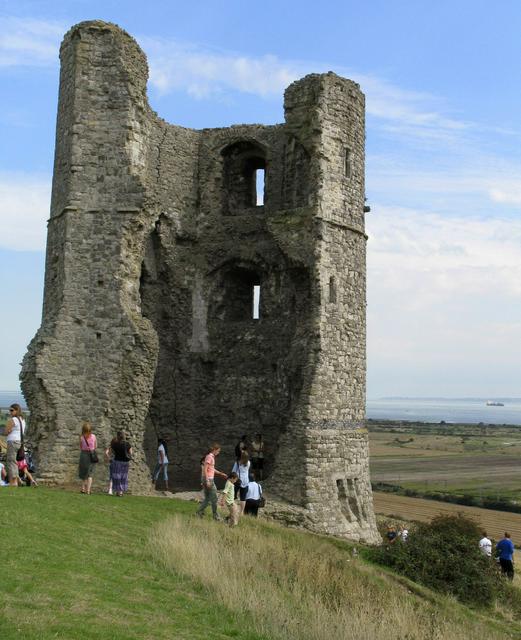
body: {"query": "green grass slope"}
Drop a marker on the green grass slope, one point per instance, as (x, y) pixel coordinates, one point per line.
(96, 567)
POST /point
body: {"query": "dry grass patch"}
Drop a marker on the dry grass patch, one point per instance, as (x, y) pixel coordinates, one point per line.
(301, 586)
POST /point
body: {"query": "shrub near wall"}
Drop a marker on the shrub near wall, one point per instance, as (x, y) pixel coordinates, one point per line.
(444, 555)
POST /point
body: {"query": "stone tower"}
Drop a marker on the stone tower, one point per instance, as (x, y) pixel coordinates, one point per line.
(159, 239)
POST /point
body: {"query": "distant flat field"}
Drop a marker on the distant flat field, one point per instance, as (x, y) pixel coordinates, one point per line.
(494, 522)
(487, 464)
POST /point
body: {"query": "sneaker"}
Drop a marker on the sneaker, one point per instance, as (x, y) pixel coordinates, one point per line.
(217, 518)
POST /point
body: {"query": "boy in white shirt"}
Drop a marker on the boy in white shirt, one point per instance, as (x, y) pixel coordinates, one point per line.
(485, 545)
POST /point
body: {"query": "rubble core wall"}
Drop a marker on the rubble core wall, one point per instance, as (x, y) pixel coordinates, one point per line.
(159, 238)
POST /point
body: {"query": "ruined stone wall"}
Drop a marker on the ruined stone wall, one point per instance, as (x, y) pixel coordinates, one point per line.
(156, 243)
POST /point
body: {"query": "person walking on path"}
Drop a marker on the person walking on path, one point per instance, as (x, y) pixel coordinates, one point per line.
(485, 545)
(253, 497)
(162, 463)
(122, 452)
(242, 469)
(229, 499)
(88, 444)
(505, 547)
(14, 430)
(208, 481)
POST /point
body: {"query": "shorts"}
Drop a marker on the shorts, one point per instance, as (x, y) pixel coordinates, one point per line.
(243, 492)
(257, 463)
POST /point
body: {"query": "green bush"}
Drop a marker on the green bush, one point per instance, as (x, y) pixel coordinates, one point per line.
(444, 555)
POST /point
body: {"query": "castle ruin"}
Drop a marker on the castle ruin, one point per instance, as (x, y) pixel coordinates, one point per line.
(159, 240)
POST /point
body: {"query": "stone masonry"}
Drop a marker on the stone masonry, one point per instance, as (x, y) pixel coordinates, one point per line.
(158, 239)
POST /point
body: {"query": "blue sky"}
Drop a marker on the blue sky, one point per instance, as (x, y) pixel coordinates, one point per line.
(443, 157)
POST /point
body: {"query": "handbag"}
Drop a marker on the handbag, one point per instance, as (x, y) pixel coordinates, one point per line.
(262, 502)
(92, 453)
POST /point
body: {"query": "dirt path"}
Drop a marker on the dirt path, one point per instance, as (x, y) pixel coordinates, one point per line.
(494, 522)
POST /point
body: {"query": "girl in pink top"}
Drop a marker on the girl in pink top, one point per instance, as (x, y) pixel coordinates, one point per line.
(86, 467)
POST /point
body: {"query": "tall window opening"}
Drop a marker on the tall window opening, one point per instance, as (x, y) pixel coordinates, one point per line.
(256, 301)
(332, 289)
(259, 186)
(240, 297)
(244, 166)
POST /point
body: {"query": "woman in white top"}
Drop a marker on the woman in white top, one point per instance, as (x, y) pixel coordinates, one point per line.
(162, 463)
(14, 430)
(242, 469)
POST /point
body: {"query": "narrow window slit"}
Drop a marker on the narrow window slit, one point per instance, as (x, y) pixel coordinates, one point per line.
(348, 169)
(256, 301)
(332, 289)
(259, 187)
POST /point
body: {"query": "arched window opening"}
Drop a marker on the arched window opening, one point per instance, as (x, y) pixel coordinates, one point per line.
(244, 177)
(240, 299)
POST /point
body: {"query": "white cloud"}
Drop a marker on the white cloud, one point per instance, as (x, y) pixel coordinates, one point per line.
(444, 298)
(24, 210)
(26, 42)
(506, 194)
(205, 73)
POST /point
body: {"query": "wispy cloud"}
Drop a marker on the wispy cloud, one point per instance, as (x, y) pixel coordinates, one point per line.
(25, 42)
(205, 73)
(24, 210)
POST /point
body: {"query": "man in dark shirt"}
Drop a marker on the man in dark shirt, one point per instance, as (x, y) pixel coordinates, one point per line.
(505, 549)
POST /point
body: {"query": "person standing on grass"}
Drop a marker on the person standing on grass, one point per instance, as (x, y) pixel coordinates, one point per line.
(122, 452)
(485, 545)
(229, 499)
(88, 443)
(162, 463)
(208, 481)
(14, 430)
(242, 469)
(253, 497)
(505, 549)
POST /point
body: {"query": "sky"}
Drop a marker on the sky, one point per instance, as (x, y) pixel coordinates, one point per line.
(443, 163)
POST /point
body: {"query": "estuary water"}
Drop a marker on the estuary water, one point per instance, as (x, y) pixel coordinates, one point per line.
(466, 410)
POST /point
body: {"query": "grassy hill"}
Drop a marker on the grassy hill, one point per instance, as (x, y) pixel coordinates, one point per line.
(96, 567)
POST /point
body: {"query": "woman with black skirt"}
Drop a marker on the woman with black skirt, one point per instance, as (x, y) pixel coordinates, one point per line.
(122, 452)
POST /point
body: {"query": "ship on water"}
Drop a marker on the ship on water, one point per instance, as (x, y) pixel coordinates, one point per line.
(493, 403)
